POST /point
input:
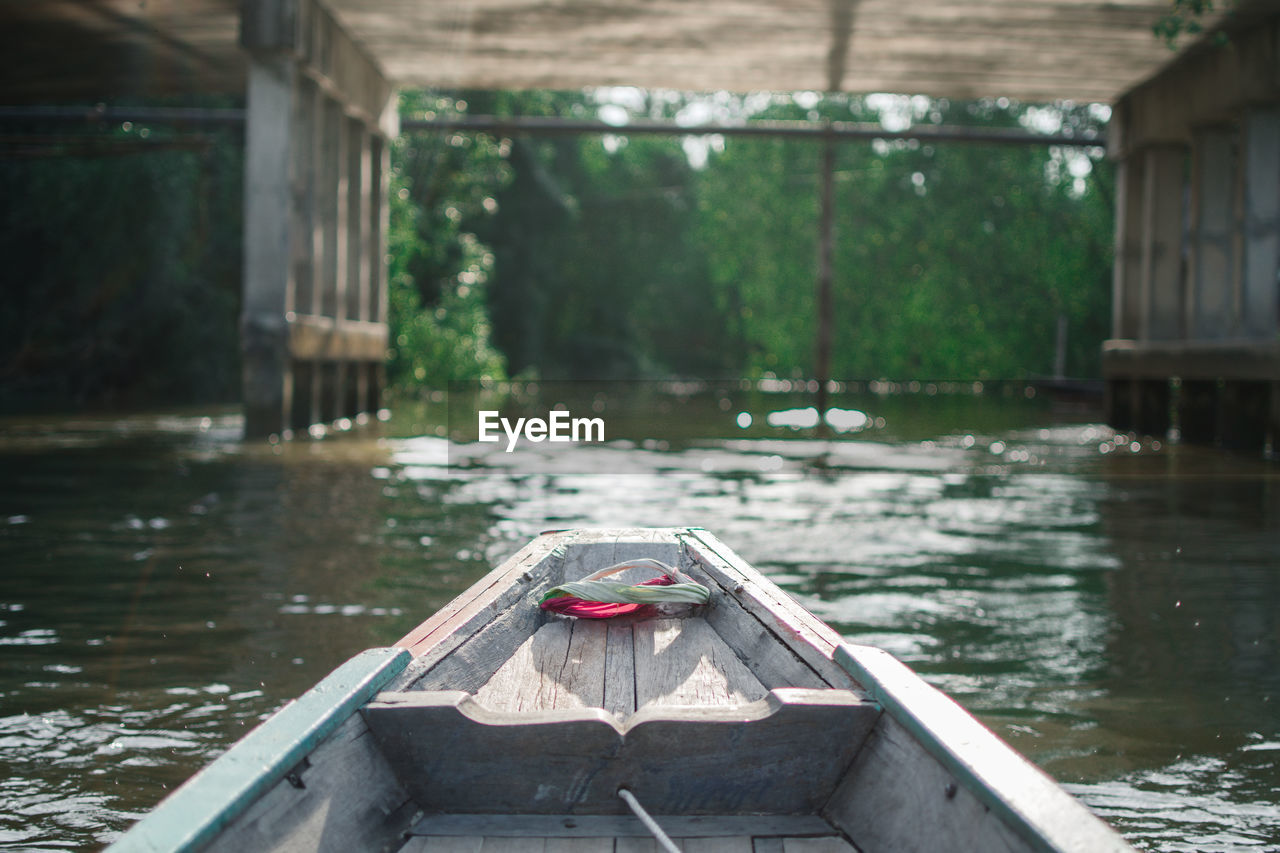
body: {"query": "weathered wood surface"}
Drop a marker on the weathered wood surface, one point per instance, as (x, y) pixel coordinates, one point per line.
(620, 666)
(208, 802)
(624, 844)
(621, 825)
(619, 670)
(497, 604)
(455, 755)
(683, 662)
(897, 798)
(561, 666)
(833, 844)
(766, 627)
(464, 644)
(760, 639)
(350, 799)
(591, 550)
(931, 771)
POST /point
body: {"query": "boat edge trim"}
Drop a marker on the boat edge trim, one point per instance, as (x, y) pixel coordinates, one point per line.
(206, 803)
(1027, 799)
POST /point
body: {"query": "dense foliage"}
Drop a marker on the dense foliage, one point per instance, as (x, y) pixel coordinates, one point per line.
(586, 256)
(121, 252)
(658, 256)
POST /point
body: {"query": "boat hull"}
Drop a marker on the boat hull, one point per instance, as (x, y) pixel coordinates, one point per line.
(749, 725)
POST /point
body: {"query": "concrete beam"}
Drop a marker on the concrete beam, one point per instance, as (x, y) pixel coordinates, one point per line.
(308, 32)
(1210, 83)
(316, 338)
(1207, 360)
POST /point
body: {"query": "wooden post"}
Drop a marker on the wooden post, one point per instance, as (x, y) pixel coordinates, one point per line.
(1199, 411)
(826, 241)
(1153, 407)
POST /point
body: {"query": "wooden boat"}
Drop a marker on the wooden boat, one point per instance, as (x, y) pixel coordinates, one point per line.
(747, 726)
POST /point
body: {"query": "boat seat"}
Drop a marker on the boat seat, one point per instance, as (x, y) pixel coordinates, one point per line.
(455, 755)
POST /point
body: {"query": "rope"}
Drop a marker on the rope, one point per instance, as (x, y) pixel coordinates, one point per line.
(649, 823)
(595, 598)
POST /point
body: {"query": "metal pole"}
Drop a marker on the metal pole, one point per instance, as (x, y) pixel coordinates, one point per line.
(826, 241)
(802, 129)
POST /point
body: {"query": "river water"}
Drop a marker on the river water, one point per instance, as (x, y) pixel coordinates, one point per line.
(1110, 606)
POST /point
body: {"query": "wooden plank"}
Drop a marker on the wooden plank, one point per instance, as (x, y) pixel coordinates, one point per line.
(348, 798)
(721, 844)
(466, 615)
(455, 754)
(423, 844)
(475, 661)
(502, 844)
(321, 338)
(620, 670)
(196, 812)
(635, 845)
(778, 620)
(798, 753)
(896, 797)
(620, 825)
(683, 662)
(526, 682)
(581, 679)
(768, 844)
(560, 666)
(931, 764)
(597, 549)
(830, 844)
(597, 844)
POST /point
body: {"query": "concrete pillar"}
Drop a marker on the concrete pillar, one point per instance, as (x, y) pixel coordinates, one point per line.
(1212, 287)
(1121, 403)
(1153, 415)
(1163, 219)
(1199, 410)
(314, 321)
(1260, 278)
(1126, 288)
(1246, 407)
(271, 137)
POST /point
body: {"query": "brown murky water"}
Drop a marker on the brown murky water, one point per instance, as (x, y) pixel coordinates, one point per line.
(1110, 607)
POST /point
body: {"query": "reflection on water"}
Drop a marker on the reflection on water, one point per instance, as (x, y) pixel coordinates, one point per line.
(1111, 608)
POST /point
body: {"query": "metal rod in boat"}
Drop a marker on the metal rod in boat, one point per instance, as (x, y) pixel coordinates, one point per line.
(649, 823)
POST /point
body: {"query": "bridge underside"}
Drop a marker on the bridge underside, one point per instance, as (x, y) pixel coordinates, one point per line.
(1042, 51)
(1197, 138)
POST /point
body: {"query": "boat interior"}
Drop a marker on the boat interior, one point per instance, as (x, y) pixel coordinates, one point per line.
(728, 751)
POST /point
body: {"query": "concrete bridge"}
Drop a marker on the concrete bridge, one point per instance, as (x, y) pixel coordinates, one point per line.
(1196, 133)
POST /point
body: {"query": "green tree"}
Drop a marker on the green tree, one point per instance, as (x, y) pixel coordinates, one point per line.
(122, 252)
(441, 186)
(951, 260)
